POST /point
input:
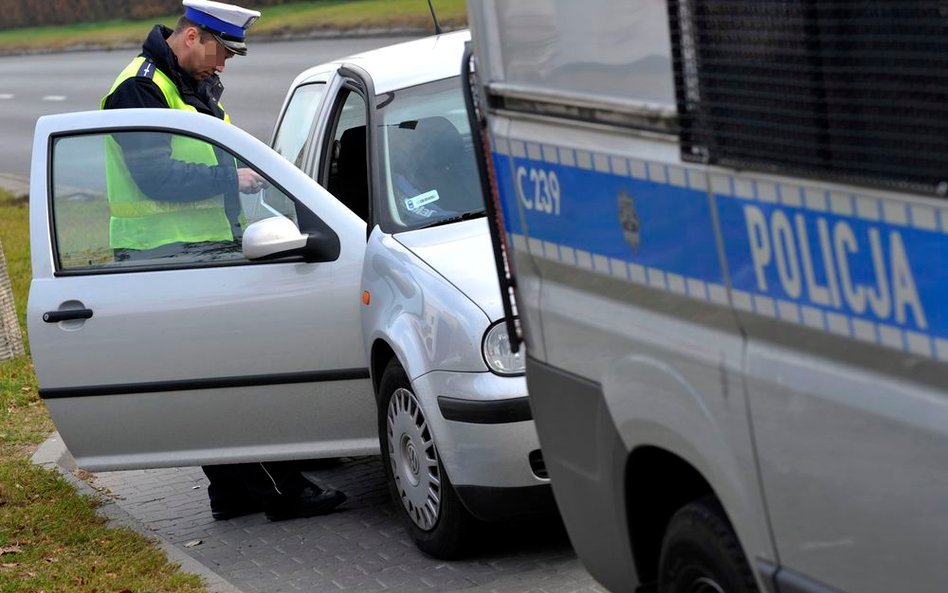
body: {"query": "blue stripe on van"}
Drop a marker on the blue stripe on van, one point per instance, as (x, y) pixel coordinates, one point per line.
(591, 209)
(859, 266)
(871, 270)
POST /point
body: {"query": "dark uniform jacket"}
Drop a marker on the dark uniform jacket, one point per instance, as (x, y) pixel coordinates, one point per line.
(141, 91)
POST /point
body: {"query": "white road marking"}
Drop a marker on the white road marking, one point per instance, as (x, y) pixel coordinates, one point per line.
(5, 96)
(55, 98)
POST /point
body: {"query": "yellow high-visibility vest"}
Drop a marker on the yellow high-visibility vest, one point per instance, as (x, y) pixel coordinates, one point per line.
(139, 222)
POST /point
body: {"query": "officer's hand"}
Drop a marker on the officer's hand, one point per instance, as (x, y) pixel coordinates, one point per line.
(249, 182)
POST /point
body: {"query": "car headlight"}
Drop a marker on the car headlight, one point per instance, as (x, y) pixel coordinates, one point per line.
(497, 353)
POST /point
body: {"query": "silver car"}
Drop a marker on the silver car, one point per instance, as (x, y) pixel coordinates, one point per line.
(349, 321)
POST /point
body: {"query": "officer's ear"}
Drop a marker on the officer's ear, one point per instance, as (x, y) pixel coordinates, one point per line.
(192, 35)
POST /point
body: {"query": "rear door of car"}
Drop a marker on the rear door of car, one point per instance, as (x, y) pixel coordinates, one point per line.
(200, 358)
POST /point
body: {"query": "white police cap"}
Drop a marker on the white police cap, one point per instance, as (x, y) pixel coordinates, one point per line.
(226, 22)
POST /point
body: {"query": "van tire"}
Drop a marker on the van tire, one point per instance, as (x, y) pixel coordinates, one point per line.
(447, 536)
(701, 553)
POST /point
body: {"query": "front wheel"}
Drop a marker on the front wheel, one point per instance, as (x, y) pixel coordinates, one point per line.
(435, 518)
(701, 553)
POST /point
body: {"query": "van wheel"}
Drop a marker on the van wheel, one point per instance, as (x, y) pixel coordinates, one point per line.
(435, 518)
(701, 554)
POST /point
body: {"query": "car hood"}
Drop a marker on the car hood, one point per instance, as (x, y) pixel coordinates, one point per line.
(462, 253)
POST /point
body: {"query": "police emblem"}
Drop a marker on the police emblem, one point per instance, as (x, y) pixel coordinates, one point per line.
(629, 219)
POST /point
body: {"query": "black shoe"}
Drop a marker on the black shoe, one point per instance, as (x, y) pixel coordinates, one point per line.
(309, 503)
(224, 511)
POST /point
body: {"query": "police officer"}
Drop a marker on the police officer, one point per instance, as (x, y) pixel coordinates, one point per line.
(167, 194)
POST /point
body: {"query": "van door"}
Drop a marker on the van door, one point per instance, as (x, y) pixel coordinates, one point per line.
(620, 284)
(846, 374)
(190, 356)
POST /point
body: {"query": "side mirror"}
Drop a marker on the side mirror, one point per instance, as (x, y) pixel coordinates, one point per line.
(272, 237)
(278, 237)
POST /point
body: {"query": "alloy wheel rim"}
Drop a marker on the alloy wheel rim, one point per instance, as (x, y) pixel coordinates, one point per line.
(414, 459)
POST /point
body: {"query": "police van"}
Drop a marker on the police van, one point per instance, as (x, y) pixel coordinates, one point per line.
(724, 228)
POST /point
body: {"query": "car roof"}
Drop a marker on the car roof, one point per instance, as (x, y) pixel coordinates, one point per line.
(404, 64)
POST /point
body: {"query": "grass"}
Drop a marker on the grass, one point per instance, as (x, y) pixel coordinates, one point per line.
(277, 21)
(51, 539)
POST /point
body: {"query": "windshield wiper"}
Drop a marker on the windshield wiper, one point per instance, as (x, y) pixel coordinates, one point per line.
(458, 218)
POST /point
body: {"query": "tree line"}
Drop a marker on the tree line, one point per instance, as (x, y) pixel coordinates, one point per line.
(15, 14)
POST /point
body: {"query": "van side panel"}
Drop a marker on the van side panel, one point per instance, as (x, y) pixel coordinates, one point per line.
(842, 292)
(588, 472)
(632, 298)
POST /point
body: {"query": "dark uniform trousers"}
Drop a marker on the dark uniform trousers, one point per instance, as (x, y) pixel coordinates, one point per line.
(265, 485)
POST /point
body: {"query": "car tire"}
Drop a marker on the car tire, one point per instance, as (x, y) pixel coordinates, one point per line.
(433, 514)
(701, 553)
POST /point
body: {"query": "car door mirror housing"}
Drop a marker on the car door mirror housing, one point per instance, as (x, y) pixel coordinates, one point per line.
(272, 237)
(278, 237)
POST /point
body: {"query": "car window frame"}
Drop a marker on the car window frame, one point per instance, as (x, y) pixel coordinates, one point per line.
(339, 99)
(351, 78)
(313, 124)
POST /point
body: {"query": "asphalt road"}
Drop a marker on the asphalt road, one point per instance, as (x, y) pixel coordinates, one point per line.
(33, 86)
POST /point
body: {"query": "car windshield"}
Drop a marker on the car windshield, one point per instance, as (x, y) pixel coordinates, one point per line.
(428, 168)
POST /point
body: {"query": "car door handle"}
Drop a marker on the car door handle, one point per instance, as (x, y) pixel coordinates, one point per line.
(66, 314)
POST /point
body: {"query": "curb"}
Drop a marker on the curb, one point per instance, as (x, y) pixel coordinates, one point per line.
(53, 455)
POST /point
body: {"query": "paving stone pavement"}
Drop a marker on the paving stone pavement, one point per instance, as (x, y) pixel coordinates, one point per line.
(361, 547)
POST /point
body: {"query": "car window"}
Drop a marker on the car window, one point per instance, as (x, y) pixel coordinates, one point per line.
(427, 157)
(346, 171)
(148, 198)
(290, 138)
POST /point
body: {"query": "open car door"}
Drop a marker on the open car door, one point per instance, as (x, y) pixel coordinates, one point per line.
(191, 355)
